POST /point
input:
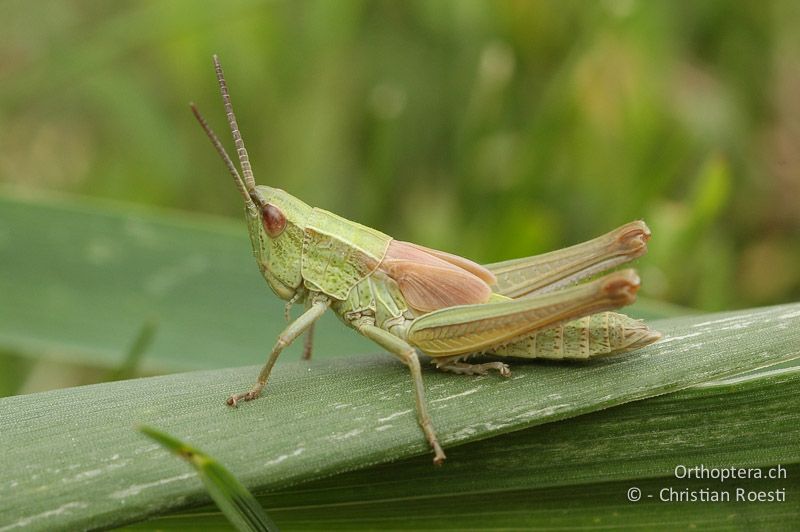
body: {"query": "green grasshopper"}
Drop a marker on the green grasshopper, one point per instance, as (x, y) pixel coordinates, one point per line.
(408, 298)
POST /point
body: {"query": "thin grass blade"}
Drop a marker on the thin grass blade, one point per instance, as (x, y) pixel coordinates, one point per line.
(231, 496)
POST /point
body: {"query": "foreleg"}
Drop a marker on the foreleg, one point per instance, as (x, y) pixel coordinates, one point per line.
(292, 331)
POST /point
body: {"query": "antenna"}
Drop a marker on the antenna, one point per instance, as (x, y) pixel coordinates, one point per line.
(244, 160)
(222, 153)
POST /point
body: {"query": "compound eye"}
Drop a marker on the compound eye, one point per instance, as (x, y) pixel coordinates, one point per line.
(273, 219)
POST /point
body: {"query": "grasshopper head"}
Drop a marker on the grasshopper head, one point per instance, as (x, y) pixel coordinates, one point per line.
(277, 228)
(275, 219)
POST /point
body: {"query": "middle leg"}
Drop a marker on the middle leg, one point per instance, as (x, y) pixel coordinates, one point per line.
(408, 355)
(308, 344)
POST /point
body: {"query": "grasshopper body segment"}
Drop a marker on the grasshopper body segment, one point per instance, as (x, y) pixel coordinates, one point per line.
(601, 334)
(375, 299)
(338, 253)
(408, 298)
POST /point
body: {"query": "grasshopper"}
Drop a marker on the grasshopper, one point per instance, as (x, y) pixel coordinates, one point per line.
(408, 298)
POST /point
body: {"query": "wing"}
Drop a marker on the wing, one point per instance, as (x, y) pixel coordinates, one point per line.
(465, 264)
(430, 280)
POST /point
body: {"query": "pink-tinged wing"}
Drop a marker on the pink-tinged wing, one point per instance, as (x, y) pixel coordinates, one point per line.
(465, 264)
(429, 282)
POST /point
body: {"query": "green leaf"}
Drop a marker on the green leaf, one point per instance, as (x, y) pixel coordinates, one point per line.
(574, 473)
(238, 504)
(72, 459)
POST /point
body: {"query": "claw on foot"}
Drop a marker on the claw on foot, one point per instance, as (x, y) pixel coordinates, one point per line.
(501, 368)
(439, 459)
(473, 369)
(234, 399)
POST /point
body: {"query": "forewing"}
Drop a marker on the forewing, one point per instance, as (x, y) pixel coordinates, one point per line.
(428, 282)
(465, 264)
(427, 288)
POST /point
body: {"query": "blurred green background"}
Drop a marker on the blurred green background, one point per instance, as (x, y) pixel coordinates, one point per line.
(489, 129)
(492, 129)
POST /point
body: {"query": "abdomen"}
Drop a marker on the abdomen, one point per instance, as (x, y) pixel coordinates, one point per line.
(600, 334)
